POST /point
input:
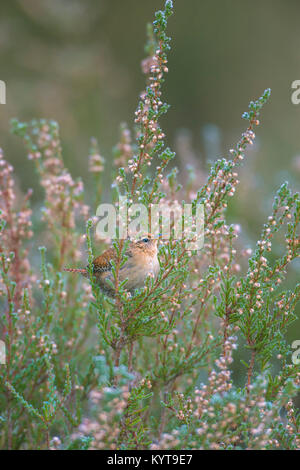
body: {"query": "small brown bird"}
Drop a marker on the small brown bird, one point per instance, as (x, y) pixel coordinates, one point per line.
(142, 262)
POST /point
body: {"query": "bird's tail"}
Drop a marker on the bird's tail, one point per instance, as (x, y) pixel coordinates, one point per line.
(76, 270)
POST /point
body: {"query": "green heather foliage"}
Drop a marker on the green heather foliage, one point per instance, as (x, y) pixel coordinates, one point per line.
(152, 370)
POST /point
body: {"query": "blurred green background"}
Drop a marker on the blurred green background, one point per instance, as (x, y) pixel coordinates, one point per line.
(78, 62)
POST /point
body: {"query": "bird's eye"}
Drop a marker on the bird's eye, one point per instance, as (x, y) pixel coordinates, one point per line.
(145, 240)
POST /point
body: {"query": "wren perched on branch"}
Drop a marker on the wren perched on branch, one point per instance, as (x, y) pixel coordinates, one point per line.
(142, 262)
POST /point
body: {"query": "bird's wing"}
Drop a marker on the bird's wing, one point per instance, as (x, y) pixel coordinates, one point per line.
(103, 262)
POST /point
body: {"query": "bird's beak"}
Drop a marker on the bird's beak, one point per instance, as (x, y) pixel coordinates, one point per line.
(157, 238)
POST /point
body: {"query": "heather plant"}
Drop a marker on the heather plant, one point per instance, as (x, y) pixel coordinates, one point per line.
(151, 369)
